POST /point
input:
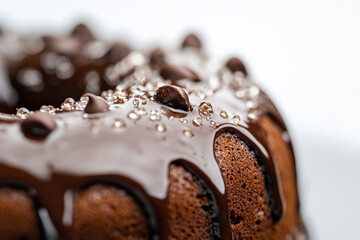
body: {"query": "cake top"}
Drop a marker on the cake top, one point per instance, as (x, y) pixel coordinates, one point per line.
(169, 106)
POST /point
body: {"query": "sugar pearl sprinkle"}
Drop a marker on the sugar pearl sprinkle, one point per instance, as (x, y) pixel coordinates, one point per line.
(49, 109)
(197, 122)
(118, 123)
(22, 113)
(236, 120)
(223, 114)
(154, 115)
(160, 128)
(183, 120)
(68, 104)
(133, 115)
(205, 109)
(188, 133)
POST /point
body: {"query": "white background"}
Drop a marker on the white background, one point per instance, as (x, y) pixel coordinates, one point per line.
(306, 55)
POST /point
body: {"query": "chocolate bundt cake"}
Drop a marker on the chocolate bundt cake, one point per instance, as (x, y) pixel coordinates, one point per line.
(175, 147)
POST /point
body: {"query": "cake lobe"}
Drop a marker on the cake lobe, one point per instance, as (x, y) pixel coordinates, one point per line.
(234, 64)
(95, 104)
(38, 125)
(191, 40)
(174, 97)
(177, 72)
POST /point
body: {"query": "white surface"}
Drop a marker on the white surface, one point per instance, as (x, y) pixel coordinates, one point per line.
(305, 54)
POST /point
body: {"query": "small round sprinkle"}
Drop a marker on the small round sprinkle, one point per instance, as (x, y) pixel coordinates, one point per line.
(160, 128)
(118, 123)
(205, 109)
(133, 115)
(141, 111)
(154, 115)
(183, 120)
(48, 108)
(253, 115)
(223, 114)
(212, 123)
(251, 104)
(254, 91)
(136, 103)
(68, 104)
(236, 120)
(22, 113)
(197, 122)
(188, 133)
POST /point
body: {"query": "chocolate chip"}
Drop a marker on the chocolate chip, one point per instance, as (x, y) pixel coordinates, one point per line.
(38, 125)
(96, 104)
(157, 57)
(83, 33)
(117, 52)
(235, 64)
(67, 45)
(175, 72)
(191, 40)
(174, 97)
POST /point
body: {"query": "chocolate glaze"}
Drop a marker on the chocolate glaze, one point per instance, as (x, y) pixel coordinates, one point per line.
(86, 149)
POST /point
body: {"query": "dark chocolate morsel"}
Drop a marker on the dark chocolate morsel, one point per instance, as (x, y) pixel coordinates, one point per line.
(38, 125)
(191, 40)
(83, 33)
(235, 64)
(96, 104)
(157, 57)
(66, 46)
(174, 97)
(176, 72)
(117, 52)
